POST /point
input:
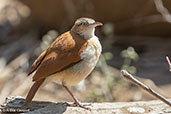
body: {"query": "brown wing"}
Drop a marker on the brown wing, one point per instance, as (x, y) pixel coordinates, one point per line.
(63, 52)
(37, 62)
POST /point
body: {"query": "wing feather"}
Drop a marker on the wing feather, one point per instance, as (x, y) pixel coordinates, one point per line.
(37, 62)
(63, 52)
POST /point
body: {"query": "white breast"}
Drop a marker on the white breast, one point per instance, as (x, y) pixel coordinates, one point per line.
(81, 70)
(91, 54)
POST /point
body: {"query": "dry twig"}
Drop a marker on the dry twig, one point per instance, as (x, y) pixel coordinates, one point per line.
(143, 86)
(162, 10)
(168, 60)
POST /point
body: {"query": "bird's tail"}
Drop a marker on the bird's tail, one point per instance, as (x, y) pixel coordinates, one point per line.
(33, 90)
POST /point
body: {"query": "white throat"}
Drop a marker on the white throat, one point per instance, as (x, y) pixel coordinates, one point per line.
(88, 33)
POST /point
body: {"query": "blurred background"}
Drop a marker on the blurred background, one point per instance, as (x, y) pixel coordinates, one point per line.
(136, 36)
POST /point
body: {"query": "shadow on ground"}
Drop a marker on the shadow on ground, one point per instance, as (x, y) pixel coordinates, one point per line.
(17, 105)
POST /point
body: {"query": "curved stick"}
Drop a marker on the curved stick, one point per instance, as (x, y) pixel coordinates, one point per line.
(143, 86)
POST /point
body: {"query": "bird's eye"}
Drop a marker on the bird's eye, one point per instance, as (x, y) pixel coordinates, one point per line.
(83, 23)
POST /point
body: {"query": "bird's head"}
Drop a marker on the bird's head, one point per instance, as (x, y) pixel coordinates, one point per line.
(85, 27)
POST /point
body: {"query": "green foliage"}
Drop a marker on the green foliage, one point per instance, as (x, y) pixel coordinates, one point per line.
(107, 55)
(129, 55)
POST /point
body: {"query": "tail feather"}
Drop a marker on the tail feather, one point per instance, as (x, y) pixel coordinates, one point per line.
(33, 90)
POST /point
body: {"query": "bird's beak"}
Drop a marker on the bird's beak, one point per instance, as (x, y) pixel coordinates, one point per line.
(97, 24)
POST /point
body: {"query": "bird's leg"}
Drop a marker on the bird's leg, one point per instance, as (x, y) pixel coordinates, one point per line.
(76, 103)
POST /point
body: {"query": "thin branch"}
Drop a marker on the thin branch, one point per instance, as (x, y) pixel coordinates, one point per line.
(162, 10)
(143, 86)
(168, 60)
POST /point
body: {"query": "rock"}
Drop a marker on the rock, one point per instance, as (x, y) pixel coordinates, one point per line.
(16, 104)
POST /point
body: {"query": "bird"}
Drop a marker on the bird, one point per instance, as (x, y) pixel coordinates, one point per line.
(69, 59)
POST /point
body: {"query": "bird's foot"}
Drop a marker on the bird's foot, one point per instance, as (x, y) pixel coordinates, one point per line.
(77, 104)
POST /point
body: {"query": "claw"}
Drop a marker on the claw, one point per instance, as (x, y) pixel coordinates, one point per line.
(77, 104)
